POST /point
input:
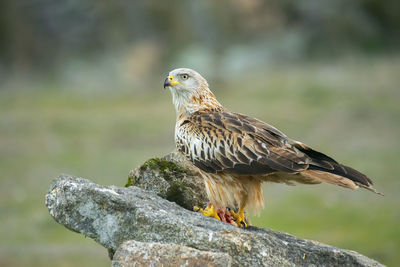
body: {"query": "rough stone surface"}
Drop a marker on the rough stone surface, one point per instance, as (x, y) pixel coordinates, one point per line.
(112, 215)
(152, 254)
(172, 178)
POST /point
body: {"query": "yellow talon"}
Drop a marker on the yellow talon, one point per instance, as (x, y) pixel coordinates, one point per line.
(209, 211)
(239, 217)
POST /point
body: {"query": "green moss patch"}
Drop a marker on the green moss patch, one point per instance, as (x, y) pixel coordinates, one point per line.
(168, 169)
(164, 166)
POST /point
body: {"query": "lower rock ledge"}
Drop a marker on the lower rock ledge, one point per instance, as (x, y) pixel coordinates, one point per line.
(152, 254)
(164, 232)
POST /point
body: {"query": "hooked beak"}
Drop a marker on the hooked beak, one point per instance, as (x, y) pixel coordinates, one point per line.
(170, 81)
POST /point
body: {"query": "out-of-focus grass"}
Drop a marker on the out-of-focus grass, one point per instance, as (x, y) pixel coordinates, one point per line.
(347, 109)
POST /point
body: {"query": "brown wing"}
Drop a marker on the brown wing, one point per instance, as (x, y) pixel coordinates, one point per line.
(225, 141)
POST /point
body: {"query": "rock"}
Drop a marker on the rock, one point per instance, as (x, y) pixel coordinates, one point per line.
(114, 215)
(172, 178)
(152, 254)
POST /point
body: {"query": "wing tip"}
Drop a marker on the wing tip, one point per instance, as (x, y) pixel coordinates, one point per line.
(370, 188)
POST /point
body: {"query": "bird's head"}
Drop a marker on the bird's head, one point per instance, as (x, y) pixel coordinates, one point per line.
(190, 92)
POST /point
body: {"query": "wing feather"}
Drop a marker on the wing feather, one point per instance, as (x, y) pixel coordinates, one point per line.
(238, 144)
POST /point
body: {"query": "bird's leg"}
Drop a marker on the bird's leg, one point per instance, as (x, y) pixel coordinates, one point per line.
(239, 216)
(209, 211)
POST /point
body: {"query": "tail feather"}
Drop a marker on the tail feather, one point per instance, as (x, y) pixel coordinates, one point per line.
(347, 172)
(326, 169)
(329, 178)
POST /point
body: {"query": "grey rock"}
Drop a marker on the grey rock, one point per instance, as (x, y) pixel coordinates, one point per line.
(152, 254)
(113, 215)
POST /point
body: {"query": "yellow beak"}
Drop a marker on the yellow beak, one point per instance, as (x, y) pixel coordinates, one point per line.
(170, 81)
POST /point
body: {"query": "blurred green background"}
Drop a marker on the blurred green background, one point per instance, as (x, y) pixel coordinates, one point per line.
(81, 93)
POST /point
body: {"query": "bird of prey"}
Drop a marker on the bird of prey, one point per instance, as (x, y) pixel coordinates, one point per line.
(236, 153)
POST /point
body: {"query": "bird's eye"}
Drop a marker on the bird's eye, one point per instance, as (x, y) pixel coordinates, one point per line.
(185, 76)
